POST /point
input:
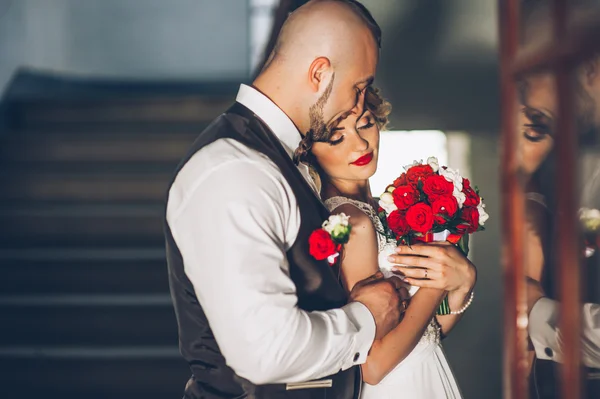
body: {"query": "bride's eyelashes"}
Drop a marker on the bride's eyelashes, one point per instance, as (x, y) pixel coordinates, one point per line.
(336, 141)
(539, 126)
(370, 123)
(535, 133)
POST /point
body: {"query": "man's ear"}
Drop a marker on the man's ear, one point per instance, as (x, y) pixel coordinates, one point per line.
(320, 73)
(591, 74)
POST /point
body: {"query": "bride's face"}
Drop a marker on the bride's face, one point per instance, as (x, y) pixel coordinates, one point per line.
(351, 153)
(536, 122)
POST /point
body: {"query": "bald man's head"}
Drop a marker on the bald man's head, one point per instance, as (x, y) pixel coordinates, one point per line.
(325, 56)
(328, 9)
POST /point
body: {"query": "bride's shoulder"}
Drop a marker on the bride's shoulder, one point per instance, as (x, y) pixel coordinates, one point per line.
(361, 223)
(360, 252)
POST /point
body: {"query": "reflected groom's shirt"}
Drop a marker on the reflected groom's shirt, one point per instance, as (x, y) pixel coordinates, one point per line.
(543, 320)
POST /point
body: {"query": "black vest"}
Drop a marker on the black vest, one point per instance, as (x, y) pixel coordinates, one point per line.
(317, 283)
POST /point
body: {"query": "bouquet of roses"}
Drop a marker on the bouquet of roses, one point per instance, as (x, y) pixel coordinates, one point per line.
(431, 203)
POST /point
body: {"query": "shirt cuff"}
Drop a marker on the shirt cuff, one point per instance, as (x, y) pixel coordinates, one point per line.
(362, 318)
(543, 330)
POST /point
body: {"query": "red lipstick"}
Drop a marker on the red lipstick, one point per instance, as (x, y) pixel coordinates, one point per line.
(364, 160)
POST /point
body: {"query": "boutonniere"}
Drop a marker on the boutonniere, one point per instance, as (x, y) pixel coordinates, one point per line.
(326, 242)
(590, 223)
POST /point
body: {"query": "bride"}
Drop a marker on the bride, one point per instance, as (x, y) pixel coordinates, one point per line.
(408, 362)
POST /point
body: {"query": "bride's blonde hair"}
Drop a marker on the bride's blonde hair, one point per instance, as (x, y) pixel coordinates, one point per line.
(380, 109)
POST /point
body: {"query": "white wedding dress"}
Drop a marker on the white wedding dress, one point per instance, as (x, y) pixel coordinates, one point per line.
(425, 372)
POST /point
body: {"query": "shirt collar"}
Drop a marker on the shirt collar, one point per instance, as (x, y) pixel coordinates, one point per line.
(279, 123)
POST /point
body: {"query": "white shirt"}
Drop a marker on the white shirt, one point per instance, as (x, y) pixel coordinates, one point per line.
(545, 335)
(233, 217)
(543, 318)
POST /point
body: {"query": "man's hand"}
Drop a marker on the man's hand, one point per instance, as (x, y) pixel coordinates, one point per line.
(383, 299)
(435, 265)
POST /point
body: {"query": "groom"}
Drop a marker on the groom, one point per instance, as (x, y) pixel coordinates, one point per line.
(258, 316)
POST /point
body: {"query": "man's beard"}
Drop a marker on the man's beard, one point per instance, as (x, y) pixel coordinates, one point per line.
(319, 131)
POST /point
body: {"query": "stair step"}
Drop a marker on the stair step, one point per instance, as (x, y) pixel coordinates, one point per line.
(88, 320)
(32, 271)
(101, 148)
(80, 225)
(187, 109)
(95, 373)
(95, 169)
(96, 187)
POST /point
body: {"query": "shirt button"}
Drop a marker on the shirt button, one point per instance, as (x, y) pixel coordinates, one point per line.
(356, 357)
(548, 352)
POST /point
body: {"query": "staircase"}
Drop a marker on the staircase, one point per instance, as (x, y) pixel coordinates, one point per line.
(85, 310)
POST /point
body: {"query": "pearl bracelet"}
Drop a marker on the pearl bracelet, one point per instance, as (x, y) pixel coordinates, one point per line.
(466, 305)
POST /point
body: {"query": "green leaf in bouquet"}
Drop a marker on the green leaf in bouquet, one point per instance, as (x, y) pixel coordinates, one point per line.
(438, 229)
(383, 219)
(403, 240)
(463, 244)
(445, 217)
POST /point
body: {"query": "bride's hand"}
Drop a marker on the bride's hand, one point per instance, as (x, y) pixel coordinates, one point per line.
(435, 265)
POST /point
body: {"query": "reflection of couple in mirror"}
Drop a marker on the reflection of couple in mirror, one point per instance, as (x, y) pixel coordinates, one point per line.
(537, 128)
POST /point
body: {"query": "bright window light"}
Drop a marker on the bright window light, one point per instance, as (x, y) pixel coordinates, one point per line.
(400, 148)
(261, 24)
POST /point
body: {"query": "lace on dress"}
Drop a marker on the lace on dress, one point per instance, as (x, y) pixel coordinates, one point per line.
(432, 333)
(335, 202)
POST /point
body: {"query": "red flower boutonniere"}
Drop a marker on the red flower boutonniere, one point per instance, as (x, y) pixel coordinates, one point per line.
(326, 242)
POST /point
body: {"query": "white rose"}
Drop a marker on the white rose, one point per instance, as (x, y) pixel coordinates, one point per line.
(483, 215)
(415, 163)
(334, 221)
(590, 219)
(386, 198)
(330, 223)
(454, 177)
(460, 197)
(386, 201)
(345, 219)
(434, 163)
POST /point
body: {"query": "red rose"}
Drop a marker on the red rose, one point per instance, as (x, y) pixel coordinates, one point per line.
(397, 223)
(470, 216)
(320, 245)
(437, 186)
(401, 181)
(418, 172)
(420, 217)
(405, 196)
(447, 206)
(472, 198)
